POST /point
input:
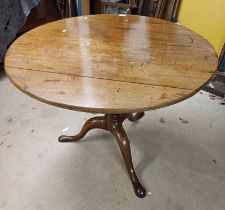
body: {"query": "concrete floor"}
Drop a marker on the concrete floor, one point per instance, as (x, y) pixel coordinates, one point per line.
(181, 164)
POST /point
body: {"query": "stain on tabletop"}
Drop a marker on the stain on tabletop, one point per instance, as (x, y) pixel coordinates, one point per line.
(52, 80)
(163, 96)
(61, 93)
(191, 40)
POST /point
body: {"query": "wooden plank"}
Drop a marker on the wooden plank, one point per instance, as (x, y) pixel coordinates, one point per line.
(177, 2)
(140, 7)
(163, 9)
(85, 7)
(94, 95)
(158, 8)
(116, 5)
(168, 14)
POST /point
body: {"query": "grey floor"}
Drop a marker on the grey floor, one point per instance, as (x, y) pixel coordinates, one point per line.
(181, 164)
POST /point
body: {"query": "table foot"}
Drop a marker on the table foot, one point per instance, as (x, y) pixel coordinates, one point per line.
(113, 123)
(139, 190)
(134, 117)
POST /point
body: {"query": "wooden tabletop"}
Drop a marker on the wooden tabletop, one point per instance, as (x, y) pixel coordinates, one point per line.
(110, 63)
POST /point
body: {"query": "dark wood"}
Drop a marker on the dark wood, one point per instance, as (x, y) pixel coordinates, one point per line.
(148, 7)
(158, 8)
(168, 10)
(95, 7)
(221, 57)
(46, 11)
(175, 9)
(98, 6)
(134, 117)
(70, 9)
(164, 9)
(113, 124)
(140, 6)
(116, 5)
(96, 122)
(217, 84)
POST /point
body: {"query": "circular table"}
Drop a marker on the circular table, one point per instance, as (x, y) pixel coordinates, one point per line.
(111, 64)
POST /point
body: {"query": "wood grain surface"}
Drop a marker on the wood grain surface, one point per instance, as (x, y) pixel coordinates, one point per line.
(110, 63)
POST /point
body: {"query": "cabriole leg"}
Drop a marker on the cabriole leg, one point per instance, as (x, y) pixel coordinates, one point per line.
(117, 130)
(95, 122)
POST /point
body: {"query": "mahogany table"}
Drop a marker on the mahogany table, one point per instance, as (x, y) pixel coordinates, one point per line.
(111, 64)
